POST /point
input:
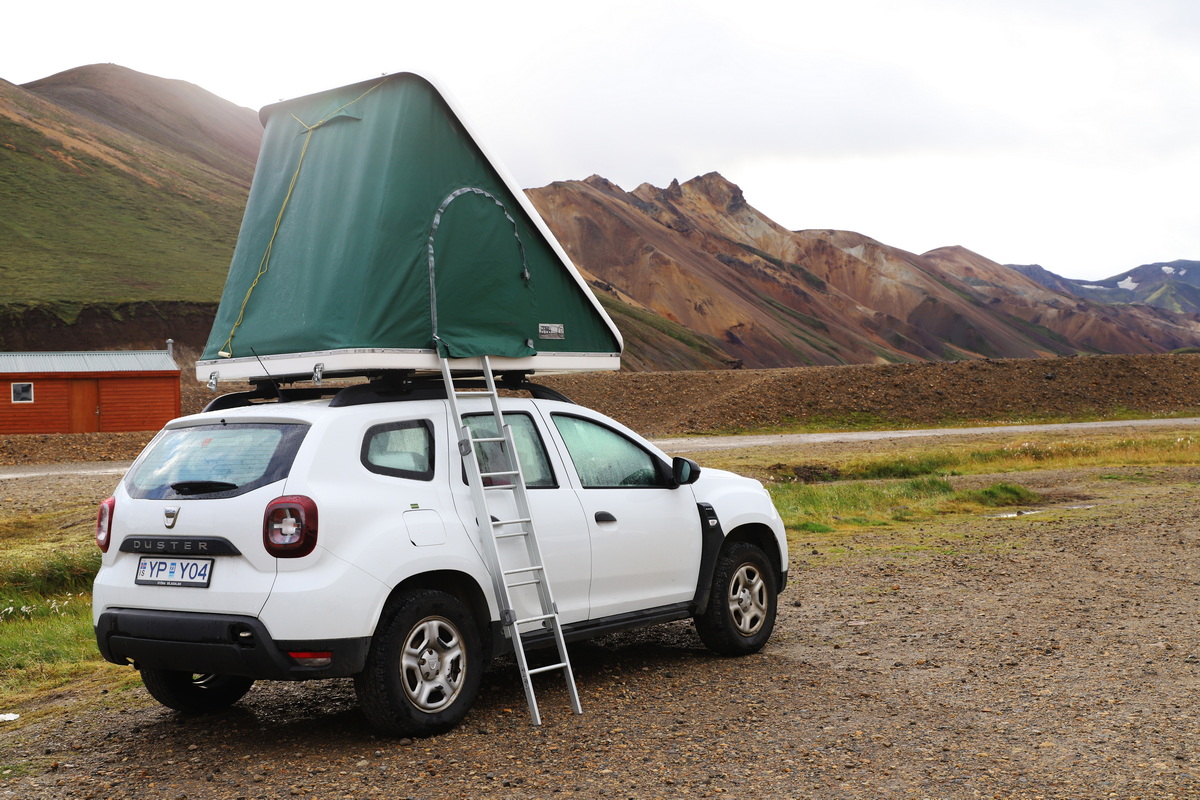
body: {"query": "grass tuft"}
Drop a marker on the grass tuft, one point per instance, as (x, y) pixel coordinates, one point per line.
(1000, 495)
(60, 572)
(827, 507)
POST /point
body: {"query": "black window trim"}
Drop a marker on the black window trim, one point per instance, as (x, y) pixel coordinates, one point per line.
(394, 472)
(541, 440)
(665, 476)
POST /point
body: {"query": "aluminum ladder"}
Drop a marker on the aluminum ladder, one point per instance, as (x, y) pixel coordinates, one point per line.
(508, 478)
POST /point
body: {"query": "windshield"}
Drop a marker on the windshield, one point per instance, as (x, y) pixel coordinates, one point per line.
(214, 460)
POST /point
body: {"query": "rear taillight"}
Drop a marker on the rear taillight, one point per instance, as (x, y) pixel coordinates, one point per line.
(290, 526)
(104, 518)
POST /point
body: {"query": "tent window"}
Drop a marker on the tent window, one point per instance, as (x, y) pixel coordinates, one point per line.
(22, 392)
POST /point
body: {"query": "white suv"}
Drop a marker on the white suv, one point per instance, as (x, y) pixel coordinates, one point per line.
(335, 536)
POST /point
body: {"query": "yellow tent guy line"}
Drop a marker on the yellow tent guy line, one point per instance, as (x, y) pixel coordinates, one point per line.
(226, 350)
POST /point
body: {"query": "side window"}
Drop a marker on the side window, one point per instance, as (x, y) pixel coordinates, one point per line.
(535, 465)
(22, 392)
(604, 458)
(400, 449)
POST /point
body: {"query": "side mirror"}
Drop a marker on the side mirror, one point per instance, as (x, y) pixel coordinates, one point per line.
(684, 470)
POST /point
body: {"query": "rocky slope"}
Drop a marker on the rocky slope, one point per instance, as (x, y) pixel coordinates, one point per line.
(697, 253)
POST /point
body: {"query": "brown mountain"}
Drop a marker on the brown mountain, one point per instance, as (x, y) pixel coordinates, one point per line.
(700, 255)
(117, 187)
(175, 115)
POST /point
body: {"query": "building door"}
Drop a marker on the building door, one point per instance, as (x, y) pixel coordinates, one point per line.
(84, 405)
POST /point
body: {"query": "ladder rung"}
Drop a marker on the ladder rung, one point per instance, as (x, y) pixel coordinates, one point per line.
(479, 393)
(511, 534)
(538, 618)
(488, 439)
(530, 582)
(503, 474)
(519, 570)
(548, 668)
(520, 521)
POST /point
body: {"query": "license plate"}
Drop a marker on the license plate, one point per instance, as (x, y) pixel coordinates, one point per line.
(166, 571)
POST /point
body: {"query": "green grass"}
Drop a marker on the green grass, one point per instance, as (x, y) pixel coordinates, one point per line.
(826, 507)
(46, 569)
(77, 227)
(916, 457)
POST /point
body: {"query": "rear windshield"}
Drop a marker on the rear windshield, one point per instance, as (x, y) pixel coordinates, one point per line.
(209, 461)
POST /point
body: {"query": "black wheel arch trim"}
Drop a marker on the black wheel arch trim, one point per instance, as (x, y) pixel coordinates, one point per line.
(712, 538)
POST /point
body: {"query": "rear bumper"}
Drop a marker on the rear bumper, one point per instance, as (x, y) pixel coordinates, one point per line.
(222, 644)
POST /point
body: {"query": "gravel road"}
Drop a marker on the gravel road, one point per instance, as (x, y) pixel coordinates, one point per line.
(700, 444)
(1042, 655)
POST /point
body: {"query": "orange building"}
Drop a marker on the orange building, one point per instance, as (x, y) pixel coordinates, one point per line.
(87, 392)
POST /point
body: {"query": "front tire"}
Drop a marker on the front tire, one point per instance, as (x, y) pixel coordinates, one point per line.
(743, 603)
(192, 692)
(424, 667)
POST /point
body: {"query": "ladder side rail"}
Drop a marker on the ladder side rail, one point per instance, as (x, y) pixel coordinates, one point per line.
(489, 535)
(533, 549)
(478, 495)
(487, 529)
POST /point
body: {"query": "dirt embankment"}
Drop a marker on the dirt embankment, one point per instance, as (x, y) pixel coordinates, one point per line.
(675, 403)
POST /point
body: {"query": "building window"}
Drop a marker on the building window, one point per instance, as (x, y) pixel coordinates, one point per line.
(22, 392)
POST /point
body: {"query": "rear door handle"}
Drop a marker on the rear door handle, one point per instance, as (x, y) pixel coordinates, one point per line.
(604, 516)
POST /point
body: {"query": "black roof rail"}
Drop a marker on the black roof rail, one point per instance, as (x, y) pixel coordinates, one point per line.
(386, 387)
(268, 391)
(396, 387)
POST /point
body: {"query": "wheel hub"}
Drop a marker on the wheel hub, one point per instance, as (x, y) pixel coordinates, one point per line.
(430, 664)
(744, 601)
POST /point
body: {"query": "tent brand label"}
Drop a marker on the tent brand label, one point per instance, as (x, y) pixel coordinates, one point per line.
(551, 330)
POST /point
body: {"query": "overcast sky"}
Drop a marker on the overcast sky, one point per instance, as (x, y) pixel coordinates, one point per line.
(1059, 132)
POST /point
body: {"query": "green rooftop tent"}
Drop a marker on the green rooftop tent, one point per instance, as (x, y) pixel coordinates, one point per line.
(379, 235)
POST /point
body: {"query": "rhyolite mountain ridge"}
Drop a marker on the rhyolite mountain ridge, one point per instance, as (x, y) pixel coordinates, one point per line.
(121, 195)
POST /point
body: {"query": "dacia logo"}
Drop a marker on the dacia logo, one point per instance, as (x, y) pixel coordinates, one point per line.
(170, 516)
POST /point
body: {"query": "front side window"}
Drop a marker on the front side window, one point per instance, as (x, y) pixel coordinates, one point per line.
(606, 459)
(400, 449)
(214, 460)
(535, 465)
(22, 392)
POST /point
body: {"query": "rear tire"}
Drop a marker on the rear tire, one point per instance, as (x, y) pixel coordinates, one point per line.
(743, 603)
(194, 693)
(424, 667)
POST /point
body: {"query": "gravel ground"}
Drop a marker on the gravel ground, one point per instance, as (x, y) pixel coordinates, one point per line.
(1044, 655)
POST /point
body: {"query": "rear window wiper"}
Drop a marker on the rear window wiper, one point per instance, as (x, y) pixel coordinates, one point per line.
(202, 487)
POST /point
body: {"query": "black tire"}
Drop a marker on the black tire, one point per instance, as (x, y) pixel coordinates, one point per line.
(742, 606)
(424, 667)
(194, 693)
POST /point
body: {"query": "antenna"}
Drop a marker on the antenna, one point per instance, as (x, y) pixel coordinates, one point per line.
(278, 389)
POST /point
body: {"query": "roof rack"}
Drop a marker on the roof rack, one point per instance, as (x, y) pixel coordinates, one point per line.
(386, 387)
